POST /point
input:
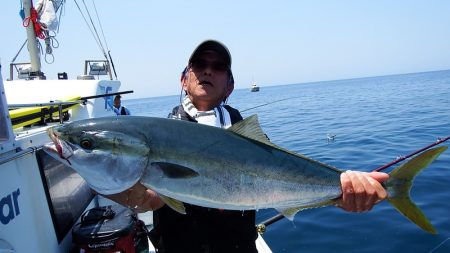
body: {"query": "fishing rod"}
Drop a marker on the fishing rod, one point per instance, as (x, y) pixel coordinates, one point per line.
(261, 227)
(439, 141)
(59, 103)
(82, 99)
(107, 95)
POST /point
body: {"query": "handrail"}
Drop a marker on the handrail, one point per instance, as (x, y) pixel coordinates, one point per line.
(51, 104)
(10, 106)
(60, 104)
(14, 65)
(81, 100)
(87, 64)
(19, 153)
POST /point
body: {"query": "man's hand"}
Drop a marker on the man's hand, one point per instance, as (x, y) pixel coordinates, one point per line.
(138, 198)
(361, 190)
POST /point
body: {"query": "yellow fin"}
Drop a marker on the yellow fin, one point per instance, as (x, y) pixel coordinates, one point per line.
(399, 186)
(174, 204)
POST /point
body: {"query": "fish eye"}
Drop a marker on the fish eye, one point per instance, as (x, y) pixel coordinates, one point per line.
(86, 144)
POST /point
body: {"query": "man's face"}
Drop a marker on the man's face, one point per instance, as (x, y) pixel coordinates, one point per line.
(117, 102)
(207, 83)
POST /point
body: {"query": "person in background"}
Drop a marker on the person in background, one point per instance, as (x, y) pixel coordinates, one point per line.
(118, 108)
(207, 82)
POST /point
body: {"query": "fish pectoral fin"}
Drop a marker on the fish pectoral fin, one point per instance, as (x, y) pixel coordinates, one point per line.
(250, 128)
(172, 170)
(174, 204)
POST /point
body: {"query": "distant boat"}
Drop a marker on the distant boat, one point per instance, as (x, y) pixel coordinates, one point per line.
(254, 87)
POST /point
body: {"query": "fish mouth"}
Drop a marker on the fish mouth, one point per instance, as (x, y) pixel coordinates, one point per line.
(62, 148)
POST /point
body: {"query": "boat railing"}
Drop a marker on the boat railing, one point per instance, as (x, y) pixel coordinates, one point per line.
(97, 68)
(19, 153)
(91, 68)
(60, 106)
(23, 70)
(47, 110)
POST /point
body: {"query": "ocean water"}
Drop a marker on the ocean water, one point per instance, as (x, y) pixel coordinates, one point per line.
(374, 121)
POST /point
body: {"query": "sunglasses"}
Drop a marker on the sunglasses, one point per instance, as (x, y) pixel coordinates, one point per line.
(200, 64)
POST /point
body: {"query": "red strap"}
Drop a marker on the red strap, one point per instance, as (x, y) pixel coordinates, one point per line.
(38, 30)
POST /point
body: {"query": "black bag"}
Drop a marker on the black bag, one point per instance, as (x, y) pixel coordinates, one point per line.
(110, 229)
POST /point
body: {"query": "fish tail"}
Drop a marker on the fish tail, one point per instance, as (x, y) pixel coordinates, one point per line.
(400, 183)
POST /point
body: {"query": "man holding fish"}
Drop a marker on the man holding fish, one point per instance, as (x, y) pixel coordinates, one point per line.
(205, 174)
(207, 81)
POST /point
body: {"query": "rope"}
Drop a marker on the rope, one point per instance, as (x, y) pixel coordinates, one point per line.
(39, 47)
(42, 32)
(20, 50)
(93, 26)
(101, 27)
(38, 28)
(104, 39)
(50, 43)
(58, 3)
(60, 13)
(99, 44)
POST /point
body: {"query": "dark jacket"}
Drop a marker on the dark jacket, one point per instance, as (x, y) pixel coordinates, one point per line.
(203, 229)
(123, 111)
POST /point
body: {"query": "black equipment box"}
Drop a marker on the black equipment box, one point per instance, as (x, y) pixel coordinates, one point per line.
(110, 229)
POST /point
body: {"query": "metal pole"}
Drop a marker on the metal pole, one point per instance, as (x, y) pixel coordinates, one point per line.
(31, 36)
(60, 113)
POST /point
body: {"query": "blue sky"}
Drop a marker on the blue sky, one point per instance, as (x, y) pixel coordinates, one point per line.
(272, 42)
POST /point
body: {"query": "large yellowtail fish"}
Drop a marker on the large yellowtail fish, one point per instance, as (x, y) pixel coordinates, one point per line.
(237, 168)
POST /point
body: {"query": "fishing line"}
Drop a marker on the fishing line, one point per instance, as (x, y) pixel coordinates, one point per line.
(440, 244)
(276, 101)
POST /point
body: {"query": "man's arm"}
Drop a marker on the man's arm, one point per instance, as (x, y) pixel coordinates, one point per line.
(108, 101)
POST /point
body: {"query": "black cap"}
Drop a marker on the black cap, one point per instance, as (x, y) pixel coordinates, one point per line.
(215, 46)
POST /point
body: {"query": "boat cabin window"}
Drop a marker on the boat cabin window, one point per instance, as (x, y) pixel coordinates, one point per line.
(68, 194)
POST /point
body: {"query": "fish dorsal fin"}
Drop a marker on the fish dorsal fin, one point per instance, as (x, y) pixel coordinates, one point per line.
(174, 204)
(172, 170)
(250, 128)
